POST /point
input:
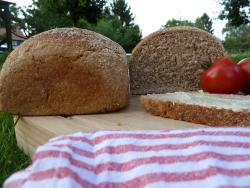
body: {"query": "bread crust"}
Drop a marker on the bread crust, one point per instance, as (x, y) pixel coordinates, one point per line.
(64, 72)
(195, 113)
(170, 31)
(170, 60)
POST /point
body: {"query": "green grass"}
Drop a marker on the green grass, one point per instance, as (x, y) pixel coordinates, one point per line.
(11, 157)
(239, 56)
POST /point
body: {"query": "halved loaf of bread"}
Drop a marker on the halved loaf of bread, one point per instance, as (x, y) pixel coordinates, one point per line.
(171, 60)
(65, 71)
(199, 107)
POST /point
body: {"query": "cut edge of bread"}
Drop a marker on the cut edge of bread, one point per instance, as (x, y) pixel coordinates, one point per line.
(157, 68)
(195, 113)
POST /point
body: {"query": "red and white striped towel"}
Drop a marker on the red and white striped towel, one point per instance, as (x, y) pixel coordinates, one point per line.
(179, 158)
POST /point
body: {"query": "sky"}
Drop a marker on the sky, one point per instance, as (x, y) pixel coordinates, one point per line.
(150, 15)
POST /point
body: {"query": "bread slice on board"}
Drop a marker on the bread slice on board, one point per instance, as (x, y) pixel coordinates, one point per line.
(170, 60)
(199, 107)
(63, 72)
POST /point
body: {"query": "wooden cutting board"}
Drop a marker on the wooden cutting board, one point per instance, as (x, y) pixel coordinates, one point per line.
(32, 132)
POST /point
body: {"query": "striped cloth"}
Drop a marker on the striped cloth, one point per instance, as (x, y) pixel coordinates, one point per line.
(179, 158)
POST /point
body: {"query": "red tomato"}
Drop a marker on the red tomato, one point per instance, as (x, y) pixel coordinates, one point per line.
(224, 76)
(245, 67)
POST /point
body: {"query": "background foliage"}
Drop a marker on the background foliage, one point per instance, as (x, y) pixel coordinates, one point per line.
(113, 20)
(237, 30)
(204, 22)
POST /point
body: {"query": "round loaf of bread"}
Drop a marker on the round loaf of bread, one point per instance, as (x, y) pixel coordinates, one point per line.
(63, 72)
(170, 60)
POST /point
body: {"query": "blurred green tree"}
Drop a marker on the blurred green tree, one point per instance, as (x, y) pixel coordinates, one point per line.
(204, 22)
(91, 10)
(113, 20)
(121, 9)
(236, 12)
(237, 39)
(118, 24)
(237, 30)
(43, 15)
(178, 22)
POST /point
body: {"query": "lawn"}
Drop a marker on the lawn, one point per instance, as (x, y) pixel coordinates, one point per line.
(11, 157)
(237, 57)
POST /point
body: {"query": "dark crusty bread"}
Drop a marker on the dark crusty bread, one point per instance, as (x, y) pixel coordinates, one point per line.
(63, 72)
(201, 108)
(170, 60)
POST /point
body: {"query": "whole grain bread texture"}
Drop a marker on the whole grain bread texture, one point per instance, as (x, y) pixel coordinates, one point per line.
(170, 60)
(200, 114)
(63, 72)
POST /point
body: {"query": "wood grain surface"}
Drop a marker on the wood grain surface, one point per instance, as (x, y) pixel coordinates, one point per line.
(32, 132)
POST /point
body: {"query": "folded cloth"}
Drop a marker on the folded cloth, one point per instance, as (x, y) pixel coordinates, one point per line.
(179, 158)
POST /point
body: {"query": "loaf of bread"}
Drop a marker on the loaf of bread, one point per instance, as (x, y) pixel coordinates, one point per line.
(170, 60)
(201, 108)
(63, 72)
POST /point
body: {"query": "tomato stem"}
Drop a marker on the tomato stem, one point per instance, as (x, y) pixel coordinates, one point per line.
(206, 64)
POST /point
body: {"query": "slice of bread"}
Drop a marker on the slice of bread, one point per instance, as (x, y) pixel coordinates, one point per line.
(171, 60)
(199, 107)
